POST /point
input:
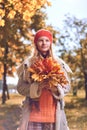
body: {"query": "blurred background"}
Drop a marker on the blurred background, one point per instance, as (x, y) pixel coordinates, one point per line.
(19, 20)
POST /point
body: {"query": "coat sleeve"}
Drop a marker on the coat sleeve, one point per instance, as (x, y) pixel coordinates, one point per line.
(63, 90)
(67, 71)
(22, 70)
(23, 85)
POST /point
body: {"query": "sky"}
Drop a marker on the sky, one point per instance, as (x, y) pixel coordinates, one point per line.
(59, 8)
(56, 12)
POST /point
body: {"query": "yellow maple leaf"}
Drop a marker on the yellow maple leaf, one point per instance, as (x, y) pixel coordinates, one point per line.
(35, 77)
(2, 22)
(11, 14)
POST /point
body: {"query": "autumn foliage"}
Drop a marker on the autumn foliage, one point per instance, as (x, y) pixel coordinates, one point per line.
(15, 20)
(47, 70)
(26, 8)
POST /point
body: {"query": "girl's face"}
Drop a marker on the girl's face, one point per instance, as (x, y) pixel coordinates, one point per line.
(43, 44)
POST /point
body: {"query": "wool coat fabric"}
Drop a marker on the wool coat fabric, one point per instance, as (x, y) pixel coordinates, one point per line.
(61, 121)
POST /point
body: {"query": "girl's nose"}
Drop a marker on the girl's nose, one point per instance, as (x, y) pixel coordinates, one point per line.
(44, 41)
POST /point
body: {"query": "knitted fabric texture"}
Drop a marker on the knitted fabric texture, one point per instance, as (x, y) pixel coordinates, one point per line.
(43, 32)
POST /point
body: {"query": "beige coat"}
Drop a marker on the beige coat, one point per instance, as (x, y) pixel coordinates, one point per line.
(61, 122)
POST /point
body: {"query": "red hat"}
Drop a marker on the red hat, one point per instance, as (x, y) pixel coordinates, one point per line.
(43, 32)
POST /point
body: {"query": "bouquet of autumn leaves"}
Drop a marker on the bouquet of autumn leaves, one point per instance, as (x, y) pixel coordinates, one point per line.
(47, 70)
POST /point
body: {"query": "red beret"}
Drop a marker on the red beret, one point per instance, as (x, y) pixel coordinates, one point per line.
(43, 32)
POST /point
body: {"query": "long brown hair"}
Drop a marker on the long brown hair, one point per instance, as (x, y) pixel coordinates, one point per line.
(36, 52)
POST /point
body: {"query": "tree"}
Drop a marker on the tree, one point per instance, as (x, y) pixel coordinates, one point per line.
(74, 40)
(15, 21)
(83, 43)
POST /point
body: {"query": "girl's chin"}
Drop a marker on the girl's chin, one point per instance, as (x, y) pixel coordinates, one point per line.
(44, 51)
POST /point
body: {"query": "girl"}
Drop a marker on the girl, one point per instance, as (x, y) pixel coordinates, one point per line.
(43, 108)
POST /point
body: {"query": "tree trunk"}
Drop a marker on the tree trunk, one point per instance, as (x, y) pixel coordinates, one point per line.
(85, 75)
(5, 93)
(4, 86)
(75, 91)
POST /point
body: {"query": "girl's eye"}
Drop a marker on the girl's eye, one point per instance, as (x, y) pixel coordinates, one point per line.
(44, 40)
(40, 40)
(47, 40)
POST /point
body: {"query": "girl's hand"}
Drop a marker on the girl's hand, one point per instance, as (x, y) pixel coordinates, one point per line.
(43, 85)
(53, 89)
(60, 90)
